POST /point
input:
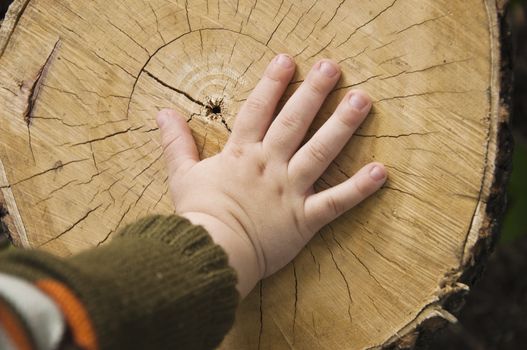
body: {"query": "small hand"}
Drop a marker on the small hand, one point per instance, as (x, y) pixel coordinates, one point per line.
(256, 197)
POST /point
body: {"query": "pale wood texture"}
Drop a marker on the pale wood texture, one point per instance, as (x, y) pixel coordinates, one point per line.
(81, 81)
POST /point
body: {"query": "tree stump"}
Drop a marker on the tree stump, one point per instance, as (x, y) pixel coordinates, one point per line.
(81, 82)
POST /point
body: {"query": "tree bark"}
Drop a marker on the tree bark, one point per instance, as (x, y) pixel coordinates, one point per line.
(81, 82)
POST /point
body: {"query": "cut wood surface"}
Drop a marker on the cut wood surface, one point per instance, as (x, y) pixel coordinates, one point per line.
(80, 156)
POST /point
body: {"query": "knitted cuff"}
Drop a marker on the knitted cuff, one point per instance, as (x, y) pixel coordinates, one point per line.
(162, 283)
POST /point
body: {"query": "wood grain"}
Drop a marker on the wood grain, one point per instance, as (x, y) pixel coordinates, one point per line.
(80, 157)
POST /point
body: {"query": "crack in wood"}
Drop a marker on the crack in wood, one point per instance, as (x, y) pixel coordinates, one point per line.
(107, 123)
(327, 184)
(384, 45)
(391, 261)
(226, 125)
(278, 26)
(315, 262)
(279, 8)
(9, 90)
(150, 130)
(165, 192)
(342, 275)
(145, 189)
(84, 217)
(232, 51)
(73, 32)
(314, 26)
(300, 52)
(100, 95)
(105, 137)
(181, 92)
(340, 170)
(443, 64)
(140, 26)
(346, 248)
(395, 136)
(368, 22)
(50, 194)
(108, 190)
(34, 91)
(251, 11)
(420, 23)
(427, 93)
(247, 69)
(77, 66)
(55, 167)
(201, 42)
(129, 37)
(99, 173)
(355, 84)
(20, 12)
(300, 18)
(334, 14)
(33, 117)
(354, 56)
(67, 93)
(187, 15)
(157, 22)
(61, 4)
(115, 228)
(125, 150)
(391, 59)
(113, 64)
(148, 166)
(194, 100)
(323, 47)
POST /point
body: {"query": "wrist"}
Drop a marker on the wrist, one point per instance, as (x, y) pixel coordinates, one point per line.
(241, 254)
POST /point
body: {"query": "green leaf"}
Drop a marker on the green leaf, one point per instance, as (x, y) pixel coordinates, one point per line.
(515, 224)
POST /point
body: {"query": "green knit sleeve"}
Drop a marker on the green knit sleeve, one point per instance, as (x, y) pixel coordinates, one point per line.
(162, 283)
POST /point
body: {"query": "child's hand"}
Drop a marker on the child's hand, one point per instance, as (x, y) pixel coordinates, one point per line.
(256, 197)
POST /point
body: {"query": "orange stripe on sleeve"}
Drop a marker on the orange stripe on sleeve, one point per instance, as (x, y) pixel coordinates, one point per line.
(74, 312)
(14, 328)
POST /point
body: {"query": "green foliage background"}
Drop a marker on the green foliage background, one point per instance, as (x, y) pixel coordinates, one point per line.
(515, 224)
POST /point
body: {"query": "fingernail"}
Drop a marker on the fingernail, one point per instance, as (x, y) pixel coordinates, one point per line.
(358, 101)
(377, 173)
(328, 69)
(284, 60)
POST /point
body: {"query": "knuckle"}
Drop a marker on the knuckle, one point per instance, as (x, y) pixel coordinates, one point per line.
(236, 150)
(315, 87)
(362, 188)
(291, 120)
(318, 151)
(261, 167)
(171, 141)
(255, 104)
(350, 120)
(274, 76)
(333, 206)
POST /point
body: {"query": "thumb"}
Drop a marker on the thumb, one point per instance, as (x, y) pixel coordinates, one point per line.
(179, 147)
